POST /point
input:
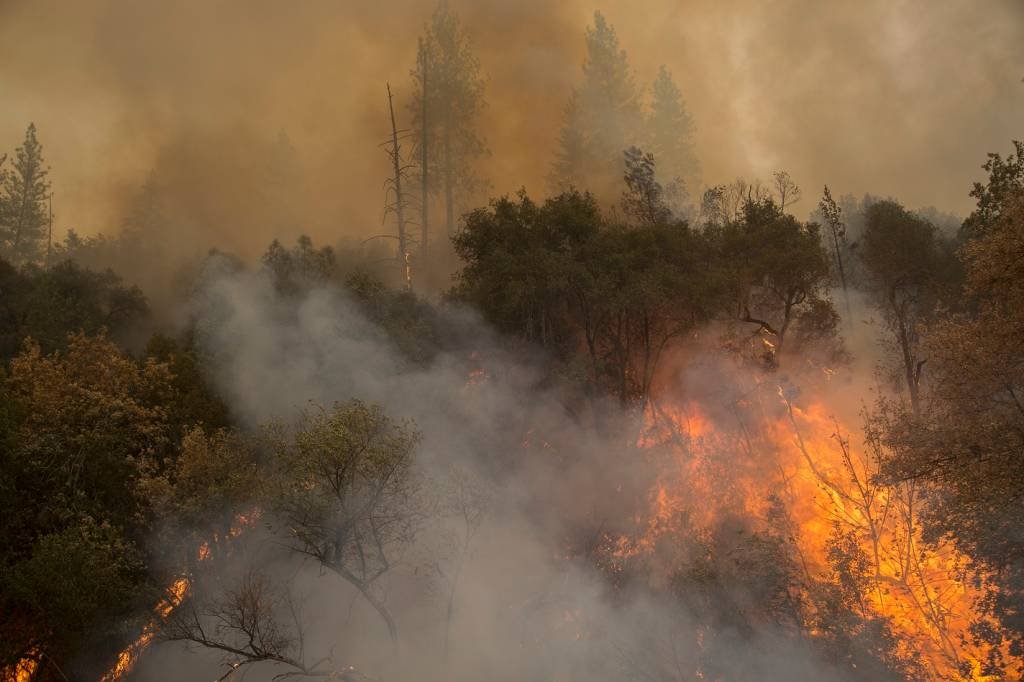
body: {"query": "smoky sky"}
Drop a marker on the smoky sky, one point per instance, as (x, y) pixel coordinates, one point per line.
(899, 98)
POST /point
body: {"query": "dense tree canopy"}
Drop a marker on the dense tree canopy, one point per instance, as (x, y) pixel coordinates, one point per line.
(966, 442)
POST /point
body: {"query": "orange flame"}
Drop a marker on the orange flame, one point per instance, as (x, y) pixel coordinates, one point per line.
(176, 593)
(824, 480)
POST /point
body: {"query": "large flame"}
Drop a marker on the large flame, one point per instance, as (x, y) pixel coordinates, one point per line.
(805, 457)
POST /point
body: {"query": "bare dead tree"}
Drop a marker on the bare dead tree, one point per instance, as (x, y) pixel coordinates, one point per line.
(250, 623)
(49, 230)
(423, 59)
(396, 198)
(786, 189)
(739, 193)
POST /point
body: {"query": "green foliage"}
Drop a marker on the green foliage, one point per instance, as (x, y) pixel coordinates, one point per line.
(964, 442)
(198, 496)
(48, 304)
(910, 272)
(341, 482)
(644, 198)
(606, 297)
(72, 588)
(1005, 181)
(193, 399)
(778, 273)
(105, 483)
(92, 418)
(412, 324)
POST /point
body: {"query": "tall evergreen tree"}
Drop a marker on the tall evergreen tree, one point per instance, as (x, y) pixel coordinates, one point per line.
(448, 97)
(670, 133)
(23, 206)
(602, 120)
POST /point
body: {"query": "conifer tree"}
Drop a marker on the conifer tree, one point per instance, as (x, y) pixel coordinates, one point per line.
(448, 97)
(602, 120)
(23, 206)
(670, 133)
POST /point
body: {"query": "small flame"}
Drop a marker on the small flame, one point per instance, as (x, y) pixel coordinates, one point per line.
(175, 595)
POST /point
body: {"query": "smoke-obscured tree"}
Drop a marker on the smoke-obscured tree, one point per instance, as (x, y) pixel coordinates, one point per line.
(670, 132)
(250, 619)
(23, 205)
(964, 441)
(602, 119)
(410, 323)
(465, 500)
(644, 198)
(423, 82)
(300, 268)
(197, 497)
(342, 485)
(448, 98)
(908, 269)
(832, 215)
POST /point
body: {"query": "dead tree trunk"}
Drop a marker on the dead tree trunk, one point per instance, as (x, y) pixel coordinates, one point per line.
(424, 167)
(449, 181)
(396, 163)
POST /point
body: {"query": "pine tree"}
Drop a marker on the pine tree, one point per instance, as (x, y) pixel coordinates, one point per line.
(23, 206)
(447, 100)
(602, 119)
(670, 133)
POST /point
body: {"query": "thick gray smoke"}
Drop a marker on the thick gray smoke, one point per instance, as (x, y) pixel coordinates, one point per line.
(524, 611)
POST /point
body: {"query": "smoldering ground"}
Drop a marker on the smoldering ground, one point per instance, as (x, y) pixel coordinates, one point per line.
(528, 604)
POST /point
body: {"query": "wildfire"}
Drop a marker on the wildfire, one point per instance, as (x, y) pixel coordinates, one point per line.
(24, 671)
(175, 594)
(804, 456)
(127, 658)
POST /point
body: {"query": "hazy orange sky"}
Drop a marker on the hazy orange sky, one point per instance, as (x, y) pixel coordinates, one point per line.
(882, 96)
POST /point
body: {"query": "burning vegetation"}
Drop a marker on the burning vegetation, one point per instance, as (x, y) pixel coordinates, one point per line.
(642, 428)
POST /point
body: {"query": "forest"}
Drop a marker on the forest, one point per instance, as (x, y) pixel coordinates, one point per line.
(629, 424)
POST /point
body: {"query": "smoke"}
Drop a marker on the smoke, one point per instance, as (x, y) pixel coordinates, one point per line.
(900, 98)
(525, 610)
